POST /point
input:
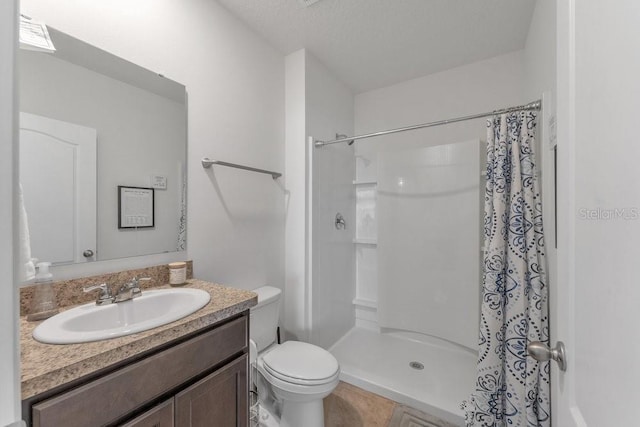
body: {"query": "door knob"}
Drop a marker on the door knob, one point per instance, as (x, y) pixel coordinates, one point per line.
(541, 352)
(88, 253)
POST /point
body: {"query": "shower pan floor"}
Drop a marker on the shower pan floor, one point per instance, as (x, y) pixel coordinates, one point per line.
(380, 363)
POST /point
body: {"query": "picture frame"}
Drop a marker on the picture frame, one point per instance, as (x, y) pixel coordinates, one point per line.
(136, 207)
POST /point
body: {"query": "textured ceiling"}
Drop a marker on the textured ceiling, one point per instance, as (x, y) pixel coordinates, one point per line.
(375, 43)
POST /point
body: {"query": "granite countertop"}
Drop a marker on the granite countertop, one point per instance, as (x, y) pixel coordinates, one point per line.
(45, 366)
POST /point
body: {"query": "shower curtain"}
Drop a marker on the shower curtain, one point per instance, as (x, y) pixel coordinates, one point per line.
(512, 389)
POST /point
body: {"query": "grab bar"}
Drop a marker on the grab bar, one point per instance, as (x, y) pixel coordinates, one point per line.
(206, 163)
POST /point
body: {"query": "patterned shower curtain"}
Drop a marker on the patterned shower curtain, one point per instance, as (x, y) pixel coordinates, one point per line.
(512, 389)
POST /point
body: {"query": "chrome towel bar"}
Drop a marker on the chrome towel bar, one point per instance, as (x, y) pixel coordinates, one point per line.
(206, 163)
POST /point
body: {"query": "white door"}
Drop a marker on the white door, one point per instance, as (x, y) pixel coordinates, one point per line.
(58, 177)
(597, 296)
(9, 318)
(562, 321)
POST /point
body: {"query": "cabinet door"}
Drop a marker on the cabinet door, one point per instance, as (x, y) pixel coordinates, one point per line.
(158, 416)
(218, 400)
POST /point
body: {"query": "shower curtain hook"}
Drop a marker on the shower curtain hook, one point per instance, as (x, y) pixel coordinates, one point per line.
(341, 135)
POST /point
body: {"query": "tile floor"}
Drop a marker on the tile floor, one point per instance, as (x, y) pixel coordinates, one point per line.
(350, 406)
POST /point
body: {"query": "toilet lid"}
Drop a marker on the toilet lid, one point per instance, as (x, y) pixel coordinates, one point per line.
(299, 362)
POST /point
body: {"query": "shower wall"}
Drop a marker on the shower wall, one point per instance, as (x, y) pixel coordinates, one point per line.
(428, 241)
(478, 87)
(330, 111)
(319, 257)
(333, 258)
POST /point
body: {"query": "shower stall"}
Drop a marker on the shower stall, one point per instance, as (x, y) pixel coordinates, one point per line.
(395, 257)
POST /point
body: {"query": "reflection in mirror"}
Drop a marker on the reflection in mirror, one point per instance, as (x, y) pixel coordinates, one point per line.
(91, 122)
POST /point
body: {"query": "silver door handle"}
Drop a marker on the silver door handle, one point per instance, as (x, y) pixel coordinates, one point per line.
(541, 352)
(88, 253)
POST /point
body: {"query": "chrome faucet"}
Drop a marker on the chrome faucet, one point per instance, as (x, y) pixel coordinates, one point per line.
(126, 292)
(130, 290)
(104, 297)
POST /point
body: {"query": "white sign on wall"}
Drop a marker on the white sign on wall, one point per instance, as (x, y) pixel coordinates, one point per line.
(159, 182)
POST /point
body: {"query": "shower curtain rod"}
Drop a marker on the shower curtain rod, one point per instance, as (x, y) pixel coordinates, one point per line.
(535, 105)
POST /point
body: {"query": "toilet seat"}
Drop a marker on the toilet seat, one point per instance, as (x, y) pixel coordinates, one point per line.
(301, 363)
(301, 367)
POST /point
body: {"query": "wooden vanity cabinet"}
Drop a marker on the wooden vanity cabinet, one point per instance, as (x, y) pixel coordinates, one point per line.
(216, 397)
(220, 396)
(200, 381)
(161, 415)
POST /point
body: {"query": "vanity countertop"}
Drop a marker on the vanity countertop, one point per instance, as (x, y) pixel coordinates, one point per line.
(45, 366)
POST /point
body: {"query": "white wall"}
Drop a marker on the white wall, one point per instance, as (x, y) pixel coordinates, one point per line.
(474, 88)
(319, 266)
(478, 87)
(235, 84)
(140, 134)
(9, 350)
(297, 314)
(540, 52)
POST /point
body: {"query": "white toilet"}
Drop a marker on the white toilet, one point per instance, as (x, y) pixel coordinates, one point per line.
(293, 377)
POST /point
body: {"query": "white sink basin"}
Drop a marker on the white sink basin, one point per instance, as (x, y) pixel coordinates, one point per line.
(90, 322)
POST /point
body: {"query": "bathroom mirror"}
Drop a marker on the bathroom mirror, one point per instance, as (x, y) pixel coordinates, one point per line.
(92, 122)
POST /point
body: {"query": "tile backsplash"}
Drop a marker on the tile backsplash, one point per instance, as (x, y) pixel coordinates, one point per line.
(69, 292)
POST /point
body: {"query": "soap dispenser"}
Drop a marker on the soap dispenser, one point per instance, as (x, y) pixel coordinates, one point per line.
(43, 304)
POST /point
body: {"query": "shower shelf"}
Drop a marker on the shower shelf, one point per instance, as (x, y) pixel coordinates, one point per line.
(365, 182)
(362, 302)
(372, 242)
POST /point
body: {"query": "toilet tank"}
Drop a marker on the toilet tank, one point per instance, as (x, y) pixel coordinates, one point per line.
(264, 317)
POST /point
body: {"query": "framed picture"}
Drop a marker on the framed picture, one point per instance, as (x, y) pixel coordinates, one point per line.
(136, 207)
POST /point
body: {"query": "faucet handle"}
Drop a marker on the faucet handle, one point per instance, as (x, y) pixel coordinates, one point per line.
(134, 285)
(103, 288)
(104, 296)
(135, 282)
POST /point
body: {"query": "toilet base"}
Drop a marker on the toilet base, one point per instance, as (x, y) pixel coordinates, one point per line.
(294, 414)
(266, 418)
(308, 414)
